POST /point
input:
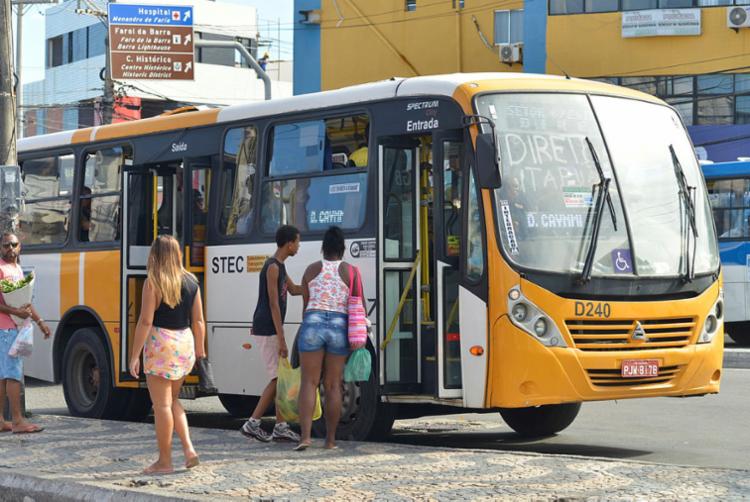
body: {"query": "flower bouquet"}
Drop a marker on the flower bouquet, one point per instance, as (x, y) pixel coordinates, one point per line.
(17, 293)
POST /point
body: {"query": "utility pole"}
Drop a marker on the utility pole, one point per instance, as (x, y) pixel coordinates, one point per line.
(19, 55)
(7, 91)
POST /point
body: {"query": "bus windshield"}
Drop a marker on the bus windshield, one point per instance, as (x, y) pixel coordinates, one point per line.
(546, 209)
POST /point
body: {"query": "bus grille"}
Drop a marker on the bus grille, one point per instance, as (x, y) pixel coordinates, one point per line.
(613, 378)
(609, 335)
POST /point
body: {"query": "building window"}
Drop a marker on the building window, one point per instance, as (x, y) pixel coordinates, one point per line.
(55, 51)
(48, 182)
(239, 174)
(602, 5)
(508, 26)
(411, 5)
(97, 39)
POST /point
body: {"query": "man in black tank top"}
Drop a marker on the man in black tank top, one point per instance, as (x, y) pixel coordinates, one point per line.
(268, 329)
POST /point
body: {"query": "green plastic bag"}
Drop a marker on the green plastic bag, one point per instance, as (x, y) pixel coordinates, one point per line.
(287, 393)
(358, 366)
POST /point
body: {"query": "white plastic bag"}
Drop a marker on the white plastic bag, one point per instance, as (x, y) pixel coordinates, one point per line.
(24, 343)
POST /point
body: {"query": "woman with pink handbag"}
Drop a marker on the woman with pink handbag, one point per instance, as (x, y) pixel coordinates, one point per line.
(334, 323)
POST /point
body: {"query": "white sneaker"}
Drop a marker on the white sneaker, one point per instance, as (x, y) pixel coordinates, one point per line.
(282, 432)
(252, 429)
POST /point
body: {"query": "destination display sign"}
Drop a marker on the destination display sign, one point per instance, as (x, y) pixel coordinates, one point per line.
(151, 42)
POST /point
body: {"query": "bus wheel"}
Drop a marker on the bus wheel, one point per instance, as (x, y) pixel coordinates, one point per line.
(87, 382)
(362, 415)
(740, 333)
(540, 420)
(237, 405)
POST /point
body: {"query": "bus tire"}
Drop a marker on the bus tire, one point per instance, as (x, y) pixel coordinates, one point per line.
(87, 381)
(539, 421)
(740, 333)
(239, 406)
(363, 416)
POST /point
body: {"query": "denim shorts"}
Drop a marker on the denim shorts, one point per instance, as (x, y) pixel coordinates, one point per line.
(324, 330)
(10, 367)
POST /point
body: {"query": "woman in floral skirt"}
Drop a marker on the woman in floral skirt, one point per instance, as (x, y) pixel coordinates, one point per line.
(170, 307)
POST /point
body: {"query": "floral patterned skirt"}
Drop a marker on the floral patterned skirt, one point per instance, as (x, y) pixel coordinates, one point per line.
(169, 353)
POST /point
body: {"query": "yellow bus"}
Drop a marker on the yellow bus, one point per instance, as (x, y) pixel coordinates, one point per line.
(527, 243)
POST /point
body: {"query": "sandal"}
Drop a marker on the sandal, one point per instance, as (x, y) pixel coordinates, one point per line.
(302, 446)
(28, 429)
(6, 427)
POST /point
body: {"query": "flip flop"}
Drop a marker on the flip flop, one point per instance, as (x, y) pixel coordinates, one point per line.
(192, 462)
(29, 429)
(6, 427)
(302, 447)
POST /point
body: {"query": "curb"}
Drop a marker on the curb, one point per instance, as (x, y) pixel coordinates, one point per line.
(27, 488)
(737, 358)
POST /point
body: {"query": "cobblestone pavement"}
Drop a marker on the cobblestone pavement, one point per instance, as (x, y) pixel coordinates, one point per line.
(82, 458)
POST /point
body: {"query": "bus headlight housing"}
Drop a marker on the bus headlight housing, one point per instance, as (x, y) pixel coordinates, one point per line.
(533, 320)
(713, 322)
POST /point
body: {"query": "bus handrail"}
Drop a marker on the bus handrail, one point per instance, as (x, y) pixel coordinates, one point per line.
(402, 301)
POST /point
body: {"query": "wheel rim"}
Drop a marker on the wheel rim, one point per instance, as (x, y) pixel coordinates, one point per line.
(86, 378)
(351, 395)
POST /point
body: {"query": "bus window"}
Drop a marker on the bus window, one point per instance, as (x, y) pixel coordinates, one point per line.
(315, 203)
(475, 251)
(319, 145)
(47, 212)
(99, 209)
(238, 178)
(730, 202)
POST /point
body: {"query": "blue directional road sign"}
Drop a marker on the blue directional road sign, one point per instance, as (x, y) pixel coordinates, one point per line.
(152, 42)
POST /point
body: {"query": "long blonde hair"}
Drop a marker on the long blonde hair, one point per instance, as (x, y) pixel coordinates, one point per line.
(165, 271)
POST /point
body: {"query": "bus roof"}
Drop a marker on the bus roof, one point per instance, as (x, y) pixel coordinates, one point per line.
(451, 85)
(726, 169)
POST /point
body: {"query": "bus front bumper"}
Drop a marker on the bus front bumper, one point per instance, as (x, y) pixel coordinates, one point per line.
(522, 372)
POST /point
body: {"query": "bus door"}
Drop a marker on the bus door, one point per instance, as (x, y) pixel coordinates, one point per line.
(196, 187)
(399, 280)
(448, 179)
(150, 206)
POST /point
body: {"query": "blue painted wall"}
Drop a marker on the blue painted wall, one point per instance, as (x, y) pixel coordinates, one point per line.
(535, 36)
(306, 50)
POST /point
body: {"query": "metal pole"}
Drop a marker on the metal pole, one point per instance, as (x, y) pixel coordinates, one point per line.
(19, 69)
(7, 91)
(246, 54)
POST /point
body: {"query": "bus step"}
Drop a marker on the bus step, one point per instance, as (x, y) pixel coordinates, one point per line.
(189, 392)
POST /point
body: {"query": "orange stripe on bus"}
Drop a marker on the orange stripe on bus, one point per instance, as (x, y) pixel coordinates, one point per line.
(69, 263)
(101, 284)
(157, 124)
(81, 136)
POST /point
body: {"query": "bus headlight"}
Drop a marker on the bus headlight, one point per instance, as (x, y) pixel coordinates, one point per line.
(532, 320)
(520, 312)
(713, 321)
(540, 327)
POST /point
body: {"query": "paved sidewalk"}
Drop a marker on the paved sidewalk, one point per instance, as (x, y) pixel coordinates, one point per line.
(77, 459)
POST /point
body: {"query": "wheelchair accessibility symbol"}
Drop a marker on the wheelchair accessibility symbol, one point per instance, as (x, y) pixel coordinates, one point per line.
(622, 261)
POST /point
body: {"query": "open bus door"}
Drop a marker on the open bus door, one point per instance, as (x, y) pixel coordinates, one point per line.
(150, 205)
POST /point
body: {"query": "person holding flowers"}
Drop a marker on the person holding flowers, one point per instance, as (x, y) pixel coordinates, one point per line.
(171, 332)
(11, 368)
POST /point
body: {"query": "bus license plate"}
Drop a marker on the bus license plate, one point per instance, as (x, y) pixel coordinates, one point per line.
(639, 368)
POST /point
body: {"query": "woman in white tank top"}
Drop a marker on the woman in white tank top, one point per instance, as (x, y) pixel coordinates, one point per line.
(323, 338)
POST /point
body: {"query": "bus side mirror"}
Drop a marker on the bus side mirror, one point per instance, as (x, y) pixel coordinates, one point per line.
(488, 165)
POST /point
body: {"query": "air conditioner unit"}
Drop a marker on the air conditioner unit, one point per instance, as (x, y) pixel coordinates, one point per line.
(511, 53)
(738, 17)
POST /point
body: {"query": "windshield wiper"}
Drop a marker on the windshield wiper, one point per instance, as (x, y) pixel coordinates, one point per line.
(686, 197)
(601, 196)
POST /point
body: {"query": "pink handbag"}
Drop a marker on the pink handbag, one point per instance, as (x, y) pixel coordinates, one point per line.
(356, 310)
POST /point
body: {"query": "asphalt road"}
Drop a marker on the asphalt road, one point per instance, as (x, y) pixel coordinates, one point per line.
(710, 431)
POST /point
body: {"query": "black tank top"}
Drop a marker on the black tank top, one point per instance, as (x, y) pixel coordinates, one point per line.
(180, 316)
(262, 319)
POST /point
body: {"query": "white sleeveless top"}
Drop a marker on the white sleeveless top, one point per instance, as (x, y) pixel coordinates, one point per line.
(327, 291)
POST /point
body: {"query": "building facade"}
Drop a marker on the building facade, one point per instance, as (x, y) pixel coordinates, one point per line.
(71, 95)
(691, 53)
